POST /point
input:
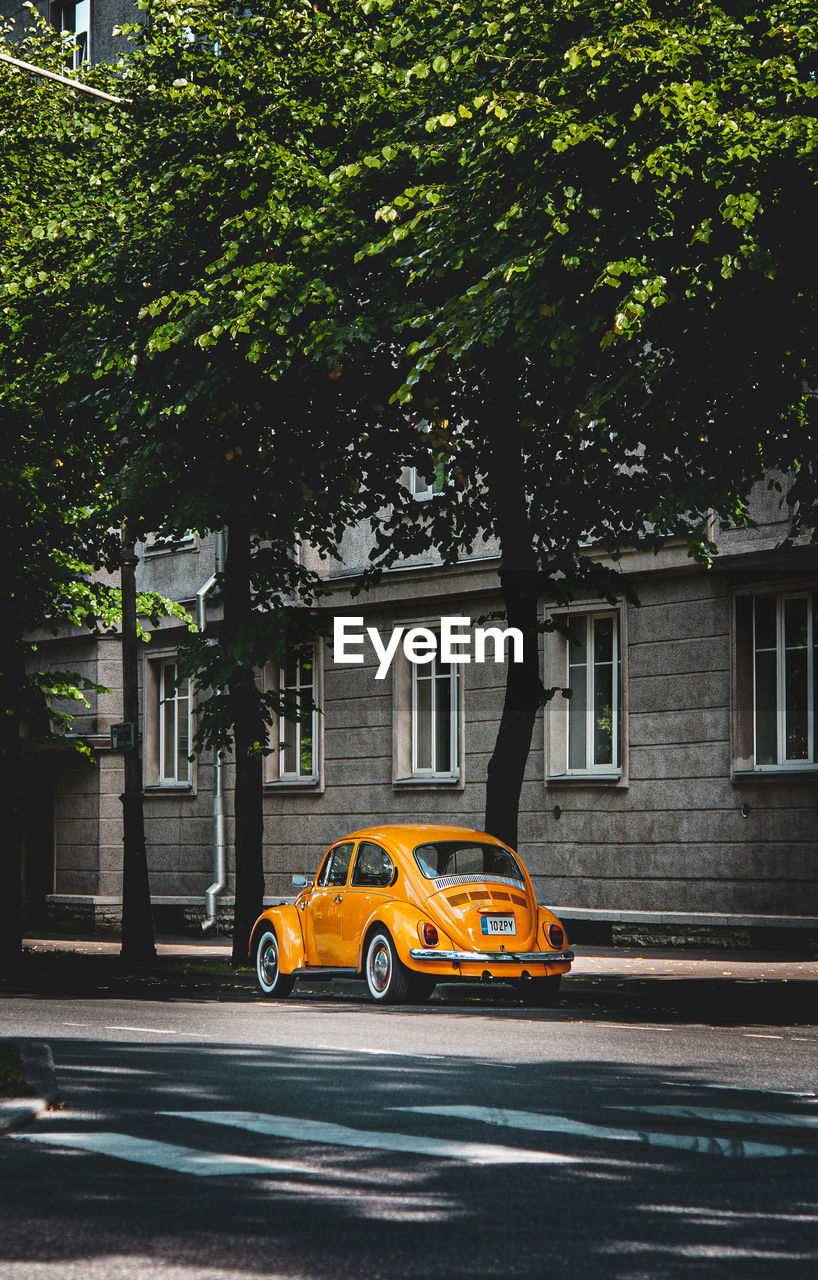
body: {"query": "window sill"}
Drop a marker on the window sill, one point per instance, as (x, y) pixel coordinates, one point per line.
(613, 779)
(787, 772)
(313, 786)
(169, 789)
(171, 549)
(441, 782)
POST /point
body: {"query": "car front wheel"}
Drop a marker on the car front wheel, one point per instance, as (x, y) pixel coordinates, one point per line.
(270, 978)
(387, 977)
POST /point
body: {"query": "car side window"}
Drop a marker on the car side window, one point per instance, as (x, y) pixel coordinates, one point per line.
(334, 871)
(373, 866)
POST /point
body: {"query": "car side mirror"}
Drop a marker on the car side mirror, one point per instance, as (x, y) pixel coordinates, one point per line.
(301, 882)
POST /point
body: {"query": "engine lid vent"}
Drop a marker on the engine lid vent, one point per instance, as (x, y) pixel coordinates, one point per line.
(457, 899)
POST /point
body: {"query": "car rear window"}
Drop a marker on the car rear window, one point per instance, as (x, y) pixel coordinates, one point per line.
(466, 858)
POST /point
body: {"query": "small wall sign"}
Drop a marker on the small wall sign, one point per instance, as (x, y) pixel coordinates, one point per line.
(122, 736)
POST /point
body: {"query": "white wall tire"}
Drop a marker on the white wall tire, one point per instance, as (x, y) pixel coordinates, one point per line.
(386, 976)
(268, 971)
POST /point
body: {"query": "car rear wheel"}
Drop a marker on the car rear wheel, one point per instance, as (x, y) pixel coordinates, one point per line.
(268, 972)
(538, 993)
(387, 977)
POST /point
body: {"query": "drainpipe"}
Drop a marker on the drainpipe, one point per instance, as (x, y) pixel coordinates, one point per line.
(219, 843)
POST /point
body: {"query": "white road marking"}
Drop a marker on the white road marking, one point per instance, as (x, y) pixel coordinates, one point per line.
(98, 1069)
(760, 1035)
(163, 1155)
(151, 1031)
(342, 1136)
(399, 1053)
(632, 1026)
(536, 1122)
(728, 1115)
(737, 1088)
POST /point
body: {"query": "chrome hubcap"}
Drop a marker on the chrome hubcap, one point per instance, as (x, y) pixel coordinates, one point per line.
(380, 965)
(269, 964)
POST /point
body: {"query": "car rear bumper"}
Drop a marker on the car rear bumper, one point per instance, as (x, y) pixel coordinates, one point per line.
(492, 957)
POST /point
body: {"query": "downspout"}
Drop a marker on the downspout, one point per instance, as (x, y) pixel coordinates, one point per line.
(219, 843)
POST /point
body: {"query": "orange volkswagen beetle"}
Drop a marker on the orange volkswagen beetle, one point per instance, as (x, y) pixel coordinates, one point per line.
(406, 907)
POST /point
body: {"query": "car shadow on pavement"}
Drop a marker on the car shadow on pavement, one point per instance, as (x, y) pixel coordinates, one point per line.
(719, 1001)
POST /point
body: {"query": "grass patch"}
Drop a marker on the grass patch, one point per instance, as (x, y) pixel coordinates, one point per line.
(12, 1077)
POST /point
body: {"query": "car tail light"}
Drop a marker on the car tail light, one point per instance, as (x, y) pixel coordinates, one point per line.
(429, 935)
(556, 935)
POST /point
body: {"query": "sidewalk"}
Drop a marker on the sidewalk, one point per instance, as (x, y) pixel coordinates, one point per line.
(590, 962)
(704, 986)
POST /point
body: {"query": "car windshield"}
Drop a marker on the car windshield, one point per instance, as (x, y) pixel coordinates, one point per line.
(469, 858)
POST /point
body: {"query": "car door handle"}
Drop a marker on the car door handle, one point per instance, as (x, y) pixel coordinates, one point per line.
(338, 898)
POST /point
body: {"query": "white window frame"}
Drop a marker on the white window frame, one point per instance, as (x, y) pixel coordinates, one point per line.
(590, 768)
(296, 776)
(81, 52)
(165, 705)
(422, 489)
(419, 671)
(782, 762)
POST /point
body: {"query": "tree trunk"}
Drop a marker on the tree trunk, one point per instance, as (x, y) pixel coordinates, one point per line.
(519, 581)
(138, 944)
(12, 694)
(506, 768)
(249, 736)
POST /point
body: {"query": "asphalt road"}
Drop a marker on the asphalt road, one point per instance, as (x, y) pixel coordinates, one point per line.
(326, 1138)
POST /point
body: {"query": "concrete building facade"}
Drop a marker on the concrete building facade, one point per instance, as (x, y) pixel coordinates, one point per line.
(674, 796)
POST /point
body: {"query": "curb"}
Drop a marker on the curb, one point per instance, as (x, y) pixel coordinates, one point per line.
(38, 1065)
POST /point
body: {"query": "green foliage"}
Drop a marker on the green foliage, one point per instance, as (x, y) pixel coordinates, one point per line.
(318, 244)
(224, 307)
(605, 209)
(59, 460)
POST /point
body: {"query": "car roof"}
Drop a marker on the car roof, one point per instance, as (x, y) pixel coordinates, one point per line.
(417, 832)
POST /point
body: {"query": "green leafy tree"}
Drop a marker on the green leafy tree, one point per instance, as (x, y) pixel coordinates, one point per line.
(48, 533)
(60, 496)
(600, 214)
(219, 304)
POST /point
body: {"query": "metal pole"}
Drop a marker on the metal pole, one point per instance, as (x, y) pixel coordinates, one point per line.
(53, 75)
(219, 840)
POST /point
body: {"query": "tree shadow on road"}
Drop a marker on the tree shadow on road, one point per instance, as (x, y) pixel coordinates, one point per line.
(643, 1205)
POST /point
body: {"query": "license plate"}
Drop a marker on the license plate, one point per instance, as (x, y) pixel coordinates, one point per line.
(497, 924)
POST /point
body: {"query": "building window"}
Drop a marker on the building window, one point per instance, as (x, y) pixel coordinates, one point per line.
(426, 485)
(298, 721)
(435, 748)
(76, 19)
(785, 633)
(174, 726)
(593, 707)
